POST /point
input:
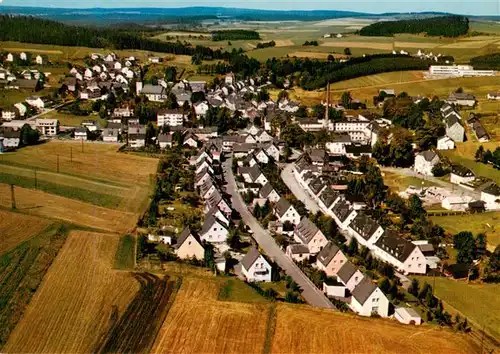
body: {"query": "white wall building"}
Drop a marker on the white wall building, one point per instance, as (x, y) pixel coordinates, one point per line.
(255, 267)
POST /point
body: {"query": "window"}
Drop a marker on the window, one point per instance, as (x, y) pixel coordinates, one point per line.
(375, 309)
(419, 265)
(189, 243)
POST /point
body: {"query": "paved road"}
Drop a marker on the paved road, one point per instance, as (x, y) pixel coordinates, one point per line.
(448, 185)
(310, 292)
(299, 192)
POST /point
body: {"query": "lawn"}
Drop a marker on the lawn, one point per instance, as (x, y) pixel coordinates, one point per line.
(488, 223)
(125, 253)
(479, 303)
(398, 183)
(11, 97)
(66, 119)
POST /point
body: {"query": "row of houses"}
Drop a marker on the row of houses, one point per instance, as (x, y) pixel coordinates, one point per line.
(23, 56)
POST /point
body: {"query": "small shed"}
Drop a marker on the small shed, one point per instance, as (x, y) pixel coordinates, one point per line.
(407, 315)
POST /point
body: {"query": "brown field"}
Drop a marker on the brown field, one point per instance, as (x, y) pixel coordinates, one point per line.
(79, 294)
(17, 228)
(198, 323)
(308, 330)
(284, 42)
(468, 44)
(416, 45)
(35, 50)
(39, 203)
(311, 55)
(354, 44)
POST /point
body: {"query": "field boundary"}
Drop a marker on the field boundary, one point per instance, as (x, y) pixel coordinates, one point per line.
(270, 329)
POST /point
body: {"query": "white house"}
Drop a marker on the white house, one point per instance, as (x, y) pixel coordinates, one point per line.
(445, 143)
(39, 60)
(9, 114)
(170, 117)
(165, 141)
(47, 127)
(21, 108)
(284, 211)
(201, 109)
(110, 135)
(268, 192)
(456, 203)
(213, 230)
(404, 255)
(155, 93)
(349, 275)
(425, 161)
(80, 133)
(255, 267)
(367, 299)
(297, 252)
(261, 156)
(407, 315)
(308, 234)
(10, 138)
(461, 174)
(36, 102)
(330, 259)
(366, 230)
(9, 58)
(253, 175)
(23, 56)
(219, 215)
(189, 246)
(491, 197)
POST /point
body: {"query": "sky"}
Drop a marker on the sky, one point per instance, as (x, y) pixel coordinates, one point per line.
(468, 7)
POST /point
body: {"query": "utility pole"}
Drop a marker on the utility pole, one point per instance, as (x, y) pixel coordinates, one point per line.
(57, 163)
(12, 197)
(36, 184)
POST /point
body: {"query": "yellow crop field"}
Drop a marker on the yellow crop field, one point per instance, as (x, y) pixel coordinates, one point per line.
(77, 299)
(16, 228)
(306, 330)
(52, 206)
(198, 323)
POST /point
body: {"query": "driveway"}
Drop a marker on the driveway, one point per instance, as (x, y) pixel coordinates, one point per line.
(310, 292)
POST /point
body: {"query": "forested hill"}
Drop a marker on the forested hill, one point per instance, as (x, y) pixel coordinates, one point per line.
(36, 30)
(446, 26)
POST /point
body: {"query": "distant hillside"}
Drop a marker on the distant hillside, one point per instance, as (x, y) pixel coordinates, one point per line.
(446, 26)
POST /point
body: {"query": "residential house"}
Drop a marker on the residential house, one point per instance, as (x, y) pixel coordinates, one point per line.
(343, 214)
(493, 96)
(404, 255)
(201, 109)
(333, 288)
(80, 133)
(407, 315)
(349, 275)
(21, 108)
(124, 112)
(23, 56)
(201, 177)
(445, 143)
(263, 137)
(317, 186)
(137, 136)
(155, 93)
(36, 102)
(253, 175)
(10, 138)
(307, 233)
(368, 299)
(9, 114)
(261, 156)
(461, 174)
(318, 157)
(268, 192)
(170, 117)
(213, 230)
(425, 161)
(205, 163)
(297, 252)
(39, 60)
(255, 267)
(462, 99)
(366, 230)
(454, 128)
(189, 246)
(207, 189)
(272, 151)
(491, 196)
(330, 259)
(478, 129)
(9, 57)
(47, 127)
(284, 211)
(356, 151)
(110, 135)
(191, 140)
(165, 141)
(217, 200)
(327, 200)
(456, 203)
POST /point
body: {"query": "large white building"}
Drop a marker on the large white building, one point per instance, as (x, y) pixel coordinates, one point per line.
(170, 117)
(458, 71)
(47, 127)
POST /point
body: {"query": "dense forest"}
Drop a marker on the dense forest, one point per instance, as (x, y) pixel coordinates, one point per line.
(36, 30)
(486, 62)
(234, 35)
(446, 26)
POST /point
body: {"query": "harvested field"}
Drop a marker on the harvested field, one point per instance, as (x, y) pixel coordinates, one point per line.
(17, 228)
(78, 299)
(43, 204)
(417, 45)
(468, 44)
(300, 329)
(284, 42)
(367, 45)
(198, 323)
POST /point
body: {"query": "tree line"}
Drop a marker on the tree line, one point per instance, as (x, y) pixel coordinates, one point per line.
(29, 29)
(446, 26)
(485, 62)
(234, 34)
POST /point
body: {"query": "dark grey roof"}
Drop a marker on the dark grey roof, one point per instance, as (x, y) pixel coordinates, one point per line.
(364, 225)
(363, 290)
(254, 172)
(328, 197)
(326, 255)
(306, 230)
(461, 171)
(346, 272)
(266, 190)
(250, 258)
(396, 246)
(318, 155)
(342, 210)
(479, 130)
(27, 84)
(184, 235)
(205, 187)
(170, 111)
(452, 119)
(428, 155)
(107, 132)
(282, 206)
(493, 190)
(317, 185)
(462, 96)
(358, 149)
(246, 147)
(210, 220)
(153, 89)
(298, 249)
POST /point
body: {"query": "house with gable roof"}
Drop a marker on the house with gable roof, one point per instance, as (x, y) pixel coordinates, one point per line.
(189, 245)
(255, 267)
(213, 230)
(349, 275)
(284, 211)
(366, 230)
(425, 161)
(343, 214)
(308, 234)
(297, 252)
(327, 200)
(367, 299)
(268, 192)
(330, 259)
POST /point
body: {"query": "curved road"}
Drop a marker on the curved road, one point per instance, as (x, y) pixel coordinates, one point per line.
(309, 291)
